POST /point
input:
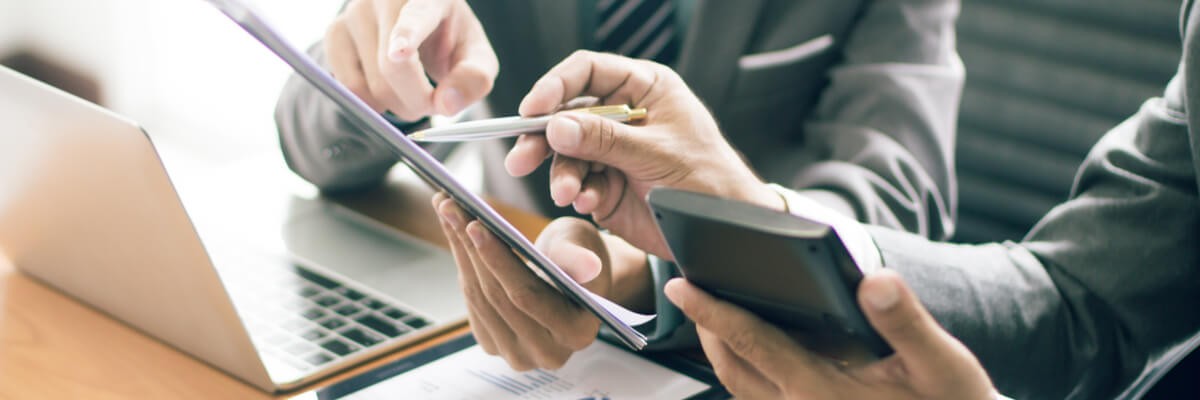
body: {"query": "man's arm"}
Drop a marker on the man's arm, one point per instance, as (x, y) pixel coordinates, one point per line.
(1104, 286)
(884, 128)
(323, 146)
(388, 53)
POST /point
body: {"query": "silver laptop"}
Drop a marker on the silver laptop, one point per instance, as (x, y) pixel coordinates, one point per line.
(87, 207)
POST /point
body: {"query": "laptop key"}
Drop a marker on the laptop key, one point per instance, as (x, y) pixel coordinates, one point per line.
(339, 347)
(362, 337)
(277, 339)
(382, 326)
(349, 293)
(374, 304)
(328, 301)
(333, 323)
(299, 349)
(417, 323)
(317, 279)
(318, 359)
(348, 310)
(308, 291)
(394, 313)
(296, 325)
(294, 305)
(313, 314)
(313, 335)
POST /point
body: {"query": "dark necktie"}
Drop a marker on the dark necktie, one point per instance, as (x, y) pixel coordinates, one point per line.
(637, 28)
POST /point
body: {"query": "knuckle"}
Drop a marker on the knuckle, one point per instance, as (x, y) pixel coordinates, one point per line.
(356, 6)
(606, 136)
(524, 298)
(379, 91)
(474, 297)
(580, 55)
(580, 339)
(743, 343)
(518, 363)
(551, 358)
(338, 27)
(491, 293)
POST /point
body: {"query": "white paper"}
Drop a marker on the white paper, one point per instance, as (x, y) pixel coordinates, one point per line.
(600, 371)
(624, 314)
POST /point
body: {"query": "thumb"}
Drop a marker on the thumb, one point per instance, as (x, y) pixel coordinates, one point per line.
(903, 322)
(582, 264)
(575, 246)
(591, 137)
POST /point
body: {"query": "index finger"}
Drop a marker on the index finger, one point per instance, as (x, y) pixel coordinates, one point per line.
(762, 345)
(417, 19)
(613, 78)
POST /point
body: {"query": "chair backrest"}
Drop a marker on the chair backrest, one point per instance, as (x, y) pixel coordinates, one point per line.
(1046, 79)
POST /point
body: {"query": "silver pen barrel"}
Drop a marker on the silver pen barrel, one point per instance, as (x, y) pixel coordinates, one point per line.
(483, 129)
(514, 126)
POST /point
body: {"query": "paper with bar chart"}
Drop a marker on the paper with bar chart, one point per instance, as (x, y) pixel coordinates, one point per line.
(599, 372)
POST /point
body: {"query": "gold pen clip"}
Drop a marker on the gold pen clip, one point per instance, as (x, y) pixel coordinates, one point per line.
(615, 111)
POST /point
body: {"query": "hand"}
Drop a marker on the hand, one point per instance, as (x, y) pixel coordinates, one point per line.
(385, 51)
(757, 360)
(606, 168)
(520, 317)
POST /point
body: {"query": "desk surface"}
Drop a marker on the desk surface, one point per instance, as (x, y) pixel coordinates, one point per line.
(52, 346)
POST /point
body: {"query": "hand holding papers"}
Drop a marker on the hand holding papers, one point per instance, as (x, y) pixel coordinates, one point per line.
(422, 163)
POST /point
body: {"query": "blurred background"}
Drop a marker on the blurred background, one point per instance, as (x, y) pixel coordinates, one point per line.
(1046, 78)
(178, 67)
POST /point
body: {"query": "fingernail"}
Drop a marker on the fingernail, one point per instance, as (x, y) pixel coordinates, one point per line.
(452, 101)
(671, 289)
(396, 50)
(476, 235)
(564, 133)
(883, 295)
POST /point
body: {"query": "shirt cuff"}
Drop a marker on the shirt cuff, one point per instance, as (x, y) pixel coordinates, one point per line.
(852, 233)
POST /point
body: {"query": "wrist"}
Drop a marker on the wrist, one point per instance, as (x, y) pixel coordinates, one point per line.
(763, 195)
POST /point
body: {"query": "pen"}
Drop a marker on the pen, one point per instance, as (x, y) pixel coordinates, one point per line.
(515, 126)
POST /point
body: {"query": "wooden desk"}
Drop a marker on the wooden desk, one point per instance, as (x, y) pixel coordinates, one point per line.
(53, 347)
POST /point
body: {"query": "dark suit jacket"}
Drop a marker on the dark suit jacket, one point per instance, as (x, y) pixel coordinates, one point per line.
(1105, 290)
(866, 127)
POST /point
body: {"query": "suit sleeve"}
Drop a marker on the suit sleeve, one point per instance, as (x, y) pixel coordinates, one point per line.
(883, 133)
(883, 130)
(1102, 290)
(323, 146)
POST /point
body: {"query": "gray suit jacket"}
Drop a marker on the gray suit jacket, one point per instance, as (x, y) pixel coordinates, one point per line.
(1105, 290)
(866, 127)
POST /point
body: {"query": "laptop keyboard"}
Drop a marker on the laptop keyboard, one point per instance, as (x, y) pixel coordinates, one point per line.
(309, 320)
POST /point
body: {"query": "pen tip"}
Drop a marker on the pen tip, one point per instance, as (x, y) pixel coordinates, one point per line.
(417, 135)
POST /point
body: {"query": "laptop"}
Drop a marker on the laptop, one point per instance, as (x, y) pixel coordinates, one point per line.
(87, 207)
